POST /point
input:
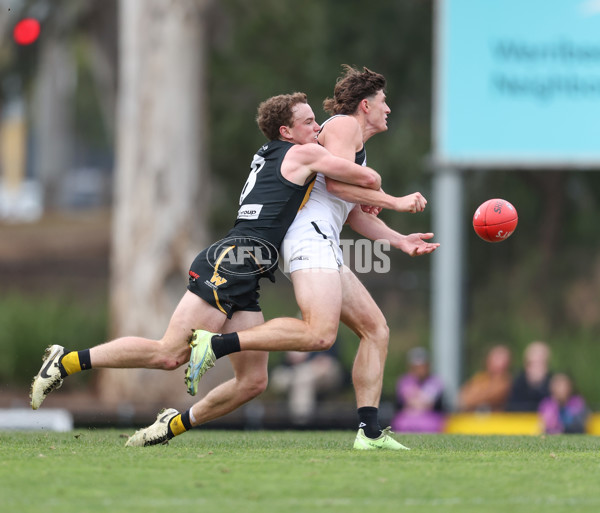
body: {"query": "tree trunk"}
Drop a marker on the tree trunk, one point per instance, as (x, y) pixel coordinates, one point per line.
(161, 182)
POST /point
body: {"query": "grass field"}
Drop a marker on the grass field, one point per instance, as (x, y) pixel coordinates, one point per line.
(264, 471)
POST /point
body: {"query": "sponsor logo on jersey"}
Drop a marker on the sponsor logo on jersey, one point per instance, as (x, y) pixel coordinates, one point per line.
(249, 212)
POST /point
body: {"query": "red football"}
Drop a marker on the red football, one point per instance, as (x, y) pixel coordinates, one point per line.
(495, 220)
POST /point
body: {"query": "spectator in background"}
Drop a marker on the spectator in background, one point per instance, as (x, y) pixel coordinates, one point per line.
(303, 377)
(419, 396)
(563, 411)
(488, 389)
(532, 384)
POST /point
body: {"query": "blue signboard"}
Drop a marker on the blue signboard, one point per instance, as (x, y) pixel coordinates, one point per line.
(517, 82)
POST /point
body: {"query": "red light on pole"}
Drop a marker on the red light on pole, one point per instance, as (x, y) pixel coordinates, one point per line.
(26, 31)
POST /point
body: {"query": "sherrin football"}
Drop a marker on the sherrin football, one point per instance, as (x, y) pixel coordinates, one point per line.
(495, 220)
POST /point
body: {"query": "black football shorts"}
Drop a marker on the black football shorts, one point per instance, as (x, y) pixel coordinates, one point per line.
(226, 275)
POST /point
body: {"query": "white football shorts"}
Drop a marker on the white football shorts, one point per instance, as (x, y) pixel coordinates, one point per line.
(313, 245)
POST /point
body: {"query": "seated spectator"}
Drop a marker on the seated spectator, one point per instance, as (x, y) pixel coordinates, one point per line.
(419, 396)
(488, 389)
(303, 376)
(563, 411)
(532, 384)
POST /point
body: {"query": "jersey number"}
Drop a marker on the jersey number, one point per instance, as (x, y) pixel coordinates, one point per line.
(257, 164)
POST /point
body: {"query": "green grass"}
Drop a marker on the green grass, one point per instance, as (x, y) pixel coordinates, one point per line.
(263, 471)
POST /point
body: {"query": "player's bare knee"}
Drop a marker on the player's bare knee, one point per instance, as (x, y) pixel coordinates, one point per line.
(168, 358)
(167, 363)
(383, 333)
(382, 339)
(323, 341)
(259, 386)
(255, 385)
(378, 331)
(172, 364)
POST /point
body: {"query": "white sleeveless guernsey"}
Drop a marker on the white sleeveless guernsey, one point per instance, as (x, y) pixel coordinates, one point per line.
(313, 238)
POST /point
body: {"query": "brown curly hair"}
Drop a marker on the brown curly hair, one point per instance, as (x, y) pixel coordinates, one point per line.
(351, 88)
(276, 112)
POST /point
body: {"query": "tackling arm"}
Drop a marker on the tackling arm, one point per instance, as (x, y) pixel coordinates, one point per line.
(303, 160)
(412, 203)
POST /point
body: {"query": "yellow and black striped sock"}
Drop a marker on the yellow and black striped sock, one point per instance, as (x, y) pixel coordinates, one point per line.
(179, 424)
(75, 361)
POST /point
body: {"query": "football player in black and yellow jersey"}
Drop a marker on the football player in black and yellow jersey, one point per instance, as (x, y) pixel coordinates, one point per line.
(224, 279)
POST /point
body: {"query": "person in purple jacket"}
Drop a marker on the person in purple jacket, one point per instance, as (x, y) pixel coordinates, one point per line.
(419, 396)
(563, 411)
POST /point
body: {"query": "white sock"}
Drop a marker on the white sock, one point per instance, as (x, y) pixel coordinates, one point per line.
(192, 418)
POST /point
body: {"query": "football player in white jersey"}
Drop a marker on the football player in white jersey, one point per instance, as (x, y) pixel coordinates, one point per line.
(326, 290)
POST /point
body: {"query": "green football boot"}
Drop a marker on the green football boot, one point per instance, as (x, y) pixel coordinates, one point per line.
(201, 359)
(384, 441)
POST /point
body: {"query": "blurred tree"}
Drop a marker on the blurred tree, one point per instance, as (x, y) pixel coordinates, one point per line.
(161, 184)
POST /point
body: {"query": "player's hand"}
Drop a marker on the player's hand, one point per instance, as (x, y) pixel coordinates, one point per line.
(412, 203)
(416, 244)
(371, 210)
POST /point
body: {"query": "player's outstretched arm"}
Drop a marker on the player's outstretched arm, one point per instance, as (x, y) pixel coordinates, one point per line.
(415, 244)
(373, 228)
